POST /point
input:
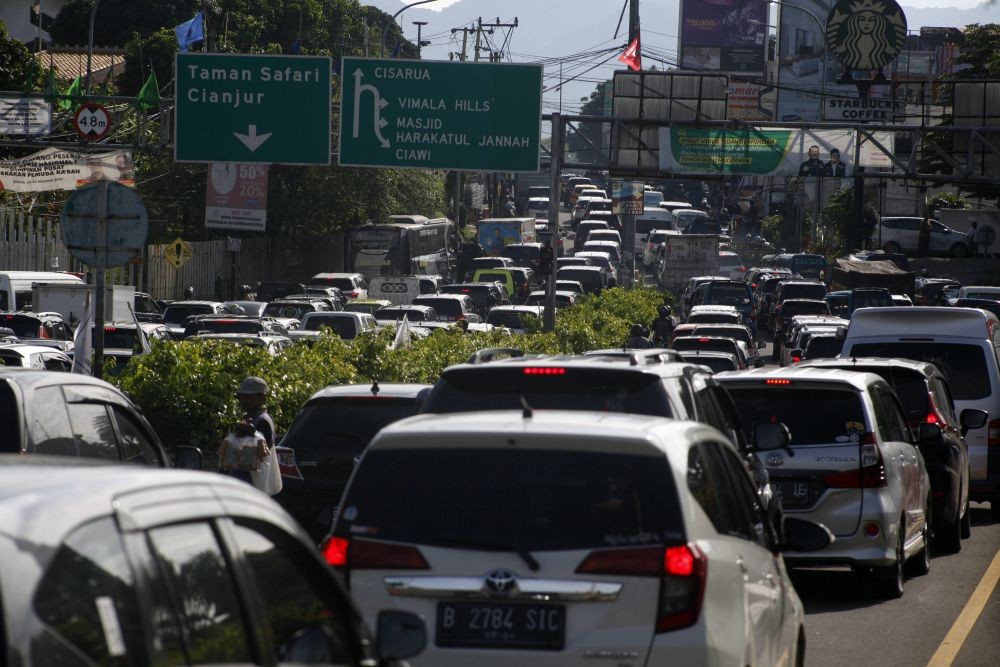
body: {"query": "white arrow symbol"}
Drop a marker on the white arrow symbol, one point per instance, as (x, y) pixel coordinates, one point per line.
(381, 103)
(251, 139)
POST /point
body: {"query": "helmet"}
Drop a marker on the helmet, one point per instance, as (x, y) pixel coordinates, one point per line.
(664, 311)
(636, 330)
(189, 292)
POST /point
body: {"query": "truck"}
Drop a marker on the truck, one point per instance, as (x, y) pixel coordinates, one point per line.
(400, 290)
(848, 274)
(497, 233)
(524, 181)
(685, 256)
(70, 301)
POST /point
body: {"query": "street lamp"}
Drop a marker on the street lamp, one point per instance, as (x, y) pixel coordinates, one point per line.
(385, 31)
(822, 34)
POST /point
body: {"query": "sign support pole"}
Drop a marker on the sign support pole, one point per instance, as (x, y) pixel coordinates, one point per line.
(628, 231)
(102, 262)
(556, 150)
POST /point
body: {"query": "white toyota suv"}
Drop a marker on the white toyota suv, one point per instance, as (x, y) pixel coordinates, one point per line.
(555, 537)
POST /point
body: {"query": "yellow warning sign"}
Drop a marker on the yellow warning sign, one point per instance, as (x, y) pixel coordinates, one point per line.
(177, 252)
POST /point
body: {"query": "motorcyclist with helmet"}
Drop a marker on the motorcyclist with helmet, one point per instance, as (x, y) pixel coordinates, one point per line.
(663, 327)
(636, 339)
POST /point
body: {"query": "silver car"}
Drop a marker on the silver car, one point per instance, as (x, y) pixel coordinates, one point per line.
(901, 234)
(852, 464)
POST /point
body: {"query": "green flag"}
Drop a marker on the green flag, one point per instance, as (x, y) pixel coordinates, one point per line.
(52, 91)
(149, 94)
(72, 96)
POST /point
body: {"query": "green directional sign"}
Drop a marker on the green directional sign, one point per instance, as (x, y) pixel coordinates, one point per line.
(252, 108)
(440, 115)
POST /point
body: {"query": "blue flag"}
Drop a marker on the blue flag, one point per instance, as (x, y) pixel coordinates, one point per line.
(190, 32)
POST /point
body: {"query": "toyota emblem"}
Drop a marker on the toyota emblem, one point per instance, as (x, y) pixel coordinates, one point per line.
(501, 581)
(775, 460)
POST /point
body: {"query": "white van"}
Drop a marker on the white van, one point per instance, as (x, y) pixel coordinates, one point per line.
(16, 290)
(651, 218)
(400, 290)
(965, 345)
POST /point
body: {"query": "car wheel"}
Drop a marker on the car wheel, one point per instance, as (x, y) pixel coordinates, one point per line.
(920, 564)
(892, 247)
(800, 649)
(960, 250)
(888, 581)
(967, 521)
(948, 537)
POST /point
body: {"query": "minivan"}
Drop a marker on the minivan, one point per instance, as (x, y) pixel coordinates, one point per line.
(16, 286)
(964, 343)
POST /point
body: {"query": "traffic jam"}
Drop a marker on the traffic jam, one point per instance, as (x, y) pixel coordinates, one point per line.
(640, 504)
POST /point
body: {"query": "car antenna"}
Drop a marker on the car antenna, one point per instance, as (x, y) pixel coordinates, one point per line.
(527, 412)
(375, 388)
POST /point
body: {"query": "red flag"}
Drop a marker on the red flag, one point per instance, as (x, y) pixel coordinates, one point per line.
(632, 57)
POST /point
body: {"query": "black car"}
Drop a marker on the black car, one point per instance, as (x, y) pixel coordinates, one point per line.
(483, 295)
(167, 567)
(64, 414)
(230, 324)
(318, 453)
(925, 395)
(524, 254)
(593, 278)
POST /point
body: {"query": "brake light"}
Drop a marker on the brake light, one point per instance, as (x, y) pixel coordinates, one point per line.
(870, 475)
(353, 295)
(796, 359)
(704, 340)
(682, 570)
(466, 290)
(544, 370)
(42, 333)
(777, 381)
(993, 440)
(370, 555)
(287, 464)
(105, 328)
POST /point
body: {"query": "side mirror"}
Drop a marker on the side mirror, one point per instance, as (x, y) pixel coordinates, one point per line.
(769, 436)
(841, 334)
(188, 458)
(805, 535)
(973, 418)
(399, 635)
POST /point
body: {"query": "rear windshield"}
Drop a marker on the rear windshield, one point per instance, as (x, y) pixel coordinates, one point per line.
(695, 343)
(510, 319)
(290, 310)
(343, 284)
(447, 307)
(726, 332)
(511, 500)
(335, 428)
(342, 326)
(487, 263)
(813, 416)
(119, 338)
(521, 252)
(871, 299)
(177, 314)
(796, 308)
(728, 262)
(721, 294)
(585, 277)
(218, 326)
(713, 318)
(574, 389)
(823, 347)
(23, 327)
(717, 364)
(803, 292)
(964, 365)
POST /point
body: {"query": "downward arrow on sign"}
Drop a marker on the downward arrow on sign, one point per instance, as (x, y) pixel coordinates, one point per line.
(251, 139)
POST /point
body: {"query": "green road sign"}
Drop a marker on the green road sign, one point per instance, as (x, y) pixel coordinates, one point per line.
(252, 108)
(440, 115)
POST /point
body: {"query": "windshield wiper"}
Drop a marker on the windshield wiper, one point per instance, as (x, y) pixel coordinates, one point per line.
(491, 545)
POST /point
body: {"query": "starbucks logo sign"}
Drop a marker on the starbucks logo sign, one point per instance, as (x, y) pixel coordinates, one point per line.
(866, 34)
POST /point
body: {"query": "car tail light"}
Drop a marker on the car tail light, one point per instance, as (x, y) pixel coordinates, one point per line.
(353, 295)
(287, 464)
(704, 340)
(871, 474)
(994, 434)
(42, 333)
(934, 414)
(682, 571)
(544, 370)
(796, 359)
(358, 554)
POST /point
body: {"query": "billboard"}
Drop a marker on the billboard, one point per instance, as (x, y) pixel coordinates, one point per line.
(236, 196)
(63, 169)
(723, 35)
(807, 70)
(764, 151)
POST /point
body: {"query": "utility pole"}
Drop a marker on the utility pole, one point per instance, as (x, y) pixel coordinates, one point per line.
(420, 42)
(556, 149)
(628, 219)
(465, 41)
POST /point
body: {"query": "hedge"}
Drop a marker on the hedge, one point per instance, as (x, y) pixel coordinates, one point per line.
(187, 389)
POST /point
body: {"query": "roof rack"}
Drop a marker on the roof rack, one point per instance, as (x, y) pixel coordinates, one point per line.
(655, 355)
(493, 353)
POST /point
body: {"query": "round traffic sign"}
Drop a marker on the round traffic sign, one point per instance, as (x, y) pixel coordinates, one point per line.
(127, 224)
(92, 121)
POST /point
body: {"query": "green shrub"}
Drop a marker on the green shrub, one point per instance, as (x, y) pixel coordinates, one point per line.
(187, 389)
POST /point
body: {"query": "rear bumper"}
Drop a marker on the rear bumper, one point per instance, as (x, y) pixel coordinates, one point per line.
(858, 549)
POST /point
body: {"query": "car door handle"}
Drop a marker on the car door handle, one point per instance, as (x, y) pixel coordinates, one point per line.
(771, 580)
(742, 565)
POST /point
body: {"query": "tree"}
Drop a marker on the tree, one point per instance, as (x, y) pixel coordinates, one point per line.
(843, 228)
(117, 21)
(19, 70)
(577, 140)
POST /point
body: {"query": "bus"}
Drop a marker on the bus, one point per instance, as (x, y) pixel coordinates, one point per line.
(408, 245)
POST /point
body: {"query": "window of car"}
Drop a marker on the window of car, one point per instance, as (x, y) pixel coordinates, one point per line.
(87, 597)
(964, 365)
(943, 400)
(753, 524)
(95, 435)
(706, 481)
(49, 426)
(294, 606)
(813, 416)
(134, 442)
(200, 594)
(533, 499)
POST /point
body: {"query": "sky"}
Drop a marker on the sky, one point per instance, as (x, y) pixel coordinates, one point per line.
(581, 34)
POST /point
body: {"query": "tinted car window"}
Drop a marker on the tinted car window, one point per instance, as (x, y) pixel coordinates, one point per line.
(717, 364)
(226, 326)
(799, 308)
(823, 347)
(119, 338)
(343, 427)
(50, 429)
(292, 605)
(503, 498)
(94, 433)
(801, 291)
(87, 597)
(575, 389)
(23, 326)
(342, 326)
(294, 310)
(177, 314)
(134, 442)
(204, 595)
(814, 416)
(444, 307)
(963, 365)
(705, 481)
(513, 320)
